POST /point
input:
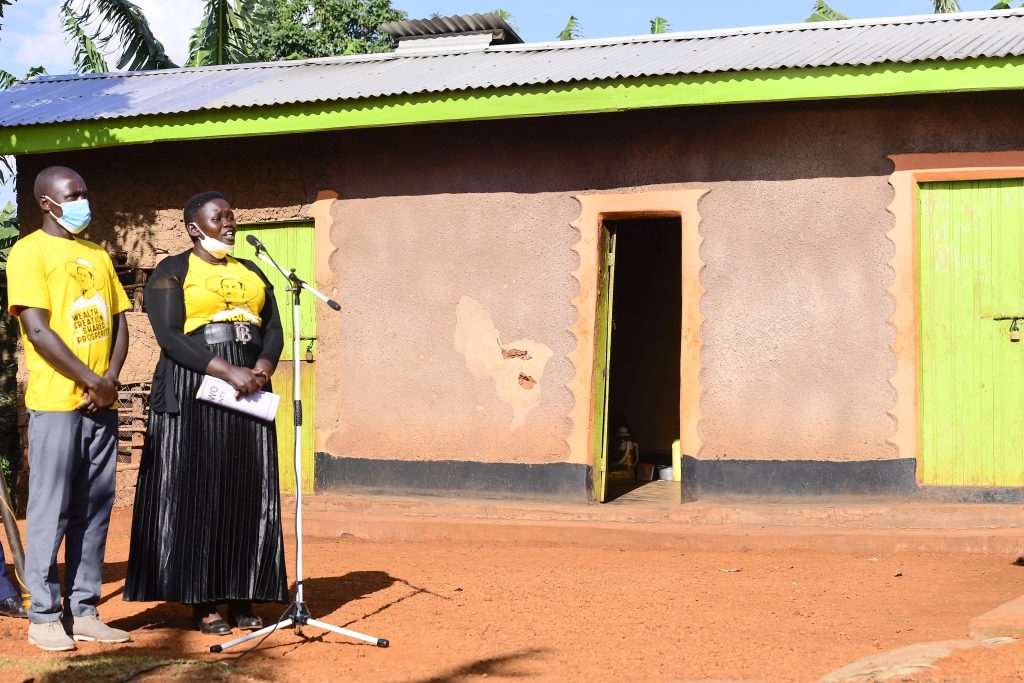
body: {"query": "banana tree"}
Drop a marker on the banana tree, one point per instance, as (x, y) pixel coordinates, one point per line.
(224, 36)
(9, 80)
(822, 12)
(572, 30)
(87, 57)
(660, 25)
(95, 27)
(4, 3)
(105, 25)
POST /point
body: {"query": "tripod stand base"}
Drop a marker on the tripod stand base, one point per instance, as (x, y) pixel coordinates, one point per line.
(299, 618)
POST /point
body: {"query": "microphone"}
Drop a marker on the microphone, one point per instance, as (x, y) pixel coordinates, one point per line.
(252, 239)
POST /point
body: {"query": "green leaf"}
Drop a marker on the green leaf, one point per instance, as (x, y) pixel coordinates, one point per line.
(660, 25)
(224, 36)
(505, 15)
(572, 30)
(8, 228)
(946, 6)
(822, 12)
(87, 57)
(121, 24)
(7, 172)
(2, 4)
(9, 80)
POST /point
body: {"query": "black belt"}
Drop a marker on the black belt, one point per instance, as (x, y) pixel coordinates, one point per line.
(218, 333)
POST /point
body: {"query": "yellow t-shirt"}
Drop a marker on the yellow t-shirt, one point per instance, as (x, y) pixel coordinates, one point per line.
(221, 293)
(75, 281)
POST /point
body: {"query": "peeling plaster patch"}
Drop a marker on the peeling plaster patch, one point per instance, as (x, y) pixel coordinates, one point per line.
(516, 368)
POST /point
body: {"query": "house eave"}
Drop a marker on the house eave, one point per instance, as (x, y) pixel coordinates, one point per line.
(782, 85)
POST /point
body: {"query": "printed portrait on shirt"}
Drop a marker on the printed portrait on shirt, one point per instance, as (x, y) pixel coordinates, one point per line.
(236, 295)
(89, 312)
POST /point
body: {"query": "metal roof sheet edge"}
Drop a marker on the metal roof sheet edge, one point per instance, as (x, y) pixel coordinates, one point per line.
(960, 75)
(458, 23)
(560, 45)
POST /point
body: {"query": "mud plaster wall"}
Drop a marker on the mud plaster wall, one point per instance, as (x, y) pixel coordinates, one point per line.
(137, 193)
(444, 233)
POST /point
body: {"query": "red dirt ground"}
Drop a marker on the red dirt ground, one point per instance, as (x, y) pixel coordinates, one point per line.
(460, 612)
(1000, 664)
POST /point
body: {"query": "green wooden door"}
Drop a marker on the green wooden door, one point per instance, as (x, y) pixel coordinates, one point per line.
(292, 246)
(602, 366)
(971, 241)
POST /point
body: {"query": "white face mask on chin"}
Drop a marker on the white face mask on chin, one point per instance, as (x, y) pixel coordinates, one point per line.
(214, 247)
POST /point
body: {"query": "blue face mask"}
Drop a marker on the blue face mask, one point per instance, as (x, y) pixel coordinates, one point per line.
(75, 215)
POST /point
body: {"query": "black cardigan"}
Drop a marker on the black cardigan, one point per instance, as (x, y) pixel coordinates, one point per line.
(165, 305)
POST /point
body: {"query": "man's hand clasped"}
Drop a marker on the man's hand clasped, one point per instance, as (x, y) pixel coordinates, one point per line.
(99, 395)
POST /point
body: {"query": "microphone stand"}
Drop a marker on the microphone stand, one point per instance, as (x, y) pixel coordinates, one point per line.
(297, 615)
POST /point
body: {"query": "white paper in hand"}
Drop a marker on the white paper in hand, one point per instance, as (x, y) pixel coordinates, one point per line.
(261, 404)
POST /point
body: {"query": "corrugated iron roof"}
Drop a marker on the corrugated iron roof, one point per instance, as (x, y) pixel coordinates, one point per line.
(54, 99)
(463, 23)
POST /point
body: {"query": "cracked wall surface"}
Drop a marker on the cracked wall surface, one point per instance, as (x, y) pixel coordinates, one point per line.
(516, 368)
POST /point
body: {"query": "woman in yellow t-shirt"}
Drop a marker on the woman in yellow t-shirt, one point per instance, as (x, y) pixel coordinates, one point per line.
(207, 524)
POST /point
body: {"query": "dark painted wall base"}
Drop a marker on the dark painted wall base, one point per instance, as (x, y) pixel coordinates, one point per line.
(972, 494)
(703, 478)
(562, 481)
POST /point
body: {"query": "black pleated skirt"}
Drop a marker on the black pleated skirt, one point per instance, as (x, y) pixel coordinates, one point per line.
(207, 519)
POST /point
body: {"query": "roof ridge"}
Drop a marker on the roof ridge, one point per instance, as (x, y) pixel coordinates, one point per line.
(767, 28)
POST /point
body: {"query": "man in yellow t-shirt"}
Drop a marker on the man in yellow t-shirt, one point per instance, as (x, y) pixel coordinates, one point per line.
(71, 307)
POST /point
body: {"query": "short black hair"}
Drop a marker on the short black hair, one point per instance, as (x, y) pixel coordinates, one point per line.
(197, 202)
(46, 177)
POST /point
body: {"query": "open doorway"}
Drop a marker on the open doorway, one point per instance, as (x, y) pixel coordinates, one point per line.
(643, 378)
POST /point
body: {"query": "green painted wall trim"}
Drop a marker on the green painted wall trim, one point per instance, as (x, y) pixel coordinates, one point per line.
(580, 98)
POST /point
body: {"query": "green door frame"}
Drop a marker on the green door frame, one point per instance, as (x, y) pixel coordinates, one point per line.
(965, 438)
(602, 361)
(305, 264)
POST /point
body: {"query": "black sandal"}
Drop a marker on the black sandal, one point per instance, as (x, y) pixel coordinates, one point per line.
(240, 612)
(249, 622)
(217, 627)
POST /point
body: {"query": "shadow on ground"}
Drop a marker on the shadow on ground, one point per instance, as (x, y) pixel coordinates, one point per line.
(165, 646)
(506, 666)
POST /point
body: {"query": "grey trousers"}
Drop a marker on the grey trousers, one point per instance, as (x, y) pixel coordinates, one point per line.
(72, 460)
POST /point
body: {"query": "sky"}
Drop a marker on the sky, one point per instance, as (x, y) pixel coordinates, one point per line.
(31, 34)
